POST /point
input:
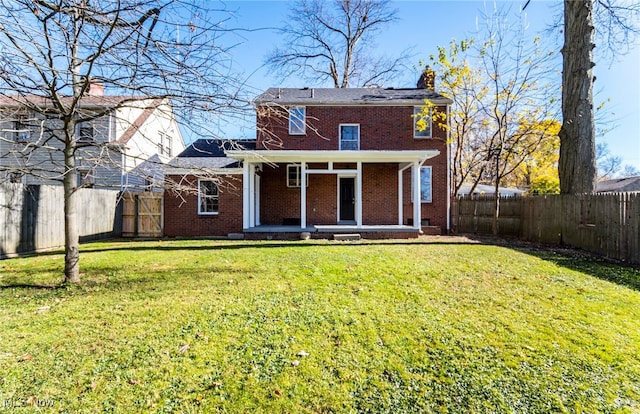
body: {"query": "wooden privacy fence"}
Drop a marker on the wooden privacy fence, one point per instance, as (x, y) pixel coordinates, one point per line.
(606, 224)
(142, 214)
(32, 217)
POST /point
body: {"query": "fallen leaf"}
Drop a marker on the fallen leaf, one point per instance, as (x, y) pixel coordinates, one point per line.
(183, 348)
(132, 381)
(25, 357)
(277, 392)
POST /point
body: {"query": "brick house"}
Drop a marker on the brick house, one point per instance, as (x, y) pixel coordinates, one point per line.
(325, 161)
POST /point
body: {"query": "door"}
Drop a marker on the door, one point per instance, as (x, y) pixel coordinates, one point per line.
(347, 199)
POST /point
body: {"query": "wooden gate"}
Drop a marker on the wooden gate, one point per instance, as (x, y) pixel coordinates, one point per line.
(142, 214)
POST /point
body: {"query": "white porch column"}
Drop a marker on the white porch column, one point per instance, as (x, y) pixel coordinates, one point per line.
(246, 195)
(256, 199)
(252, 192)
(400, 171)
(416, 196)
(303, 195)
(359, 194)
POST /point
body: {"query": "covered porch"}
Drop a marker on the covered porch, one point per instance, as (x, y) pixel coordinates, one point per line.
(351, 208)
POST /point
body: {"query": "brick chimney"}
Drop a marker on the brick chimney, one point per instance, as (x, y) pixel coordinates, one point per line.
(95, 88)
(427, 79)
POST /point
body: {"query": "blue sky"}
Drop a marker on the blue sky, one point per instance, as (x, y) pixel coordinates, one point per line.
(424, 25)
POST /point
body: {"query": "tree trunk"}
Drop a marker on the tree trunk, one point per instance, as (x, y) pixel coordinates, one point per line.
(71, 232)
(496, 207)
(577, 165)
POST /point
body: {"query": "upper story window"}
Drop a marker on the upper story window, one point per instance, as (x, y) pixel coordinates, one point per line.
(421, 123)
(165, 145)
(350, 137)
(22, 129)
(297, 120)
(85, 132)
(207, 197)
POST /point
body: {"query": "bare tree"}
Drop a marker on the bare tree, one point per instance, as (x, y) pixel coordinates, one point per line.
(331, 40)
(615, 23)
(54, 51)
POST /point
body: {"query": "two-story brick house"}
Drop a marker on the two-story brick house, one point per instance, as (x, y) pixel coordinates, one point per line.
(123, 148)
(330, 161)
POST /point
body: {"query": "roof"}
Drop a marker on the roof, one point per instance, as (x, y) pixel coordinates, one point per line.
(85, 101)
(210, 154)
(483, 189)
(202, 163)
(619, 185)
(215, 147)
(323, 156)
(349, 96)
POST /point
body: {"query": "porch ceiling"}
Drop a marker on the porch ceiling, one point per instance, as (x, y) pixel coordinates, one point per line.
(281, 156)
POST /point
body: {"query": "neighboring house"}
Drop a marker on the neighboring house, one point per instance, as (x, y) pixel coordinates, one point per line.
(619, 185)
(123, 149)
(326, 161)
(489, 190)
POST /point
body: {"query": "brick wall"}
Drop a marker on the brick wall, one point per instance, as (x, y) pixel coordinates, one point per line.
(181, 218)
(381, 128)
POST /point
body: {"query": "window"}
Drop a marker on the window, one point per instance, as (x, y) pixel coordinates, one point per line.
(421, 123)
(297, 123)
(350, 137)
(22, 129)
(164, 145)
(207, 197)
(86, 133)
(15, 177)
(85, 178)
(294, 178)
(425, 184)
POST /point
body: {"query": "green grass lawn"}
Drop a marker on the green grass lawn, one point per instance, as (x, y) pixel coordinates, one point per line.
(222, 326)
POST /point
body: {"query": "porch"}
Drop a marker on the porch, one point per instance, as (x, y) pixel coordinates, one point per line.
(329, 231)
(346, 201)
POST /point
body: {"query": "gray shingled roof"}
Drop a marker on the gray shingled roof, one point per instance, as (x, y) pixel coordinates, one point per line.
(203, 163)
(619, 185)
(348, 96)
(209, 154)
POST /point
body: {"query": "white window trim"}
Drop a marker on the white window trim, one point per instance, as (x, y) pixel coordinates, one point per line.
(23, 129)
(87, 125)
(427, 167)
(340, 136)
(165, 144)
(297, 131)
(416, 111)
(298, 168)
(207, 213)
(421, 200)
